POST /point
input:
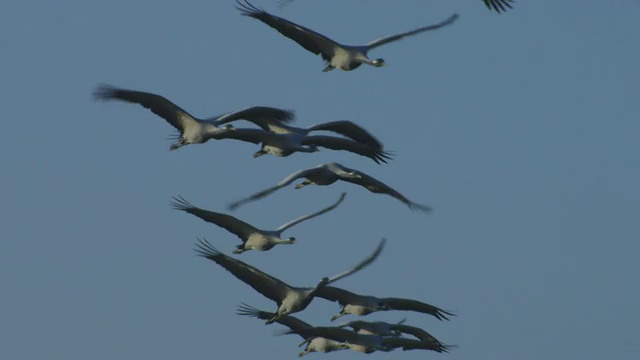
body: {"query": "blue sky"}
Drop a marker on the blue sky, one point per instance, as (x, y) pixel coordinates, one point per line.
(518, 129)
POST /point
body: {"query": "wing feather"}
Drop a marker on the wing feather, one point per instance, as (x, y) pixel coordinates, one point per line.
(311, 216)
(362, 264)
(498, 5)
(350, 130)
(286, 181)
(328, 332)
(255, 114)
(307, 38)
(265, 284)
(392, 38)
(238, 227)
(415, 305)
(336, 143)
(332, 293)
(376, 186)
(412, 344)
(255, 136)
(415, 331)
(159, 105)
(289, 321)
(266, 124)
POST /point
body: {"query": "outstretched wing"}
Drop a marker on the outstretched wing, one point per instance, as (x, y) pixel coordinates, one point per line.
(255, 114)
(388, 39)
(350, 130)
(159, 105)
(286, 181)
(376, 186)
(412, 344)
(238, 227)
(289, 321)
(265, 124)
(307, 38)
(336, 143)
(415, 305)
(361, 265)
(311, 216)
(331, 293)
(415, 331)
(328, 332)
(282, 3)
(261, 282)
(255, 136)
(498, 5)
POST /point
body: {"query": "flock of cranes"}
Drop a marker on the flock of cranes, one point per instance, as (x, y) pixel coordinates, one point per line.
(276, 136)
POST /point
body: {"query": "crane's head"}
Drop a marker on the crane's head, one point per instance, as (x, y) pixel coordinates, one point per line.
(323, 282)
(379, 63)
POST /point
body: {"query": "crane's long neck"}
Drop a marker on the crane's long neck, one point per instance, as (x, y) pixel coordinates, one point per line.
(285, 241)
(210, 129)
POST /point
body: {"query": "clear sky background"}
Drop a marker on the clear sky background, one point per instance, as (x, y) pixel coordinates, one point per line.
(520, 130)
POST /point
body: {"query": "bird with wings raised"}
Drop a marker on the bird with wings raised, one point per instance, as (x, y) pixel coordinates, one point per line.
(343, 127)
(313, 344)
(191, 129)
(283, 145)
(252, 237)
(335, 55)
(327, 174)
(290, 299)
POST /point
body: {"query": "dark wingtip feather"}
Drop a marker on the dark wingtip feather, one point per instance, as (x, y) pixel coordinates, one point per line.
(104, 92)
(248, 9)
(234, 205)
(442, 314)
(248, 310)
(180, 203)
(498, 6)
(383, 156)
(205, 249)
(424, 208)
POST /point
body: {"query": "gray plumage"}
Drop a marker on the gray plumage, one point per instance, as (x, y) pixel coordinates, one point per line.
(287, 144)
(369, 343)
(357, 304)
(252, 238)
(290, 299)
(313, 344)
(327, 174)
(191, 129)
(335, 55)
(382, 328)
(342, 127)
